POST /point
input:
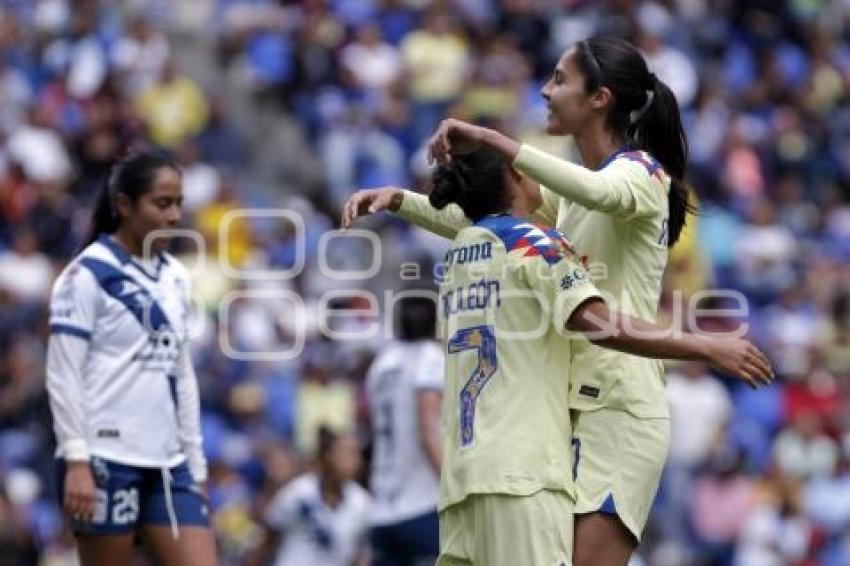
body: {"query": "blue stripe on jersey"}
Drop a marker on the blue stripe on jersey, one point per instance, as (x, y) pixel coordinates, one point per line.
(125, 290)
(649, 163)
(71, 330)
(124, 258)
(613, 156)
(517, 233)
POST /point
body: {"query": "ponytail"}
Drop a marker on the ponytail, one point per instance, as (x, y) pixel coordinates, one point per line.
(132, 176)
(645, 113)
(659, 131)
(104, 218)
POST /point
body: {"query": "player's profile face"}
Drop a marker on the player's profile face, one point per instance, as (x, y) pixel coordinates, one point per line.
(159, 208)
(567, 101)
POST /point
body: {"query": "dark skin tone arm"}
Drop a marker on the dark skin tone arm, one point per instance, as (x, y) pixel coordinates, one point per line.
(617, 331)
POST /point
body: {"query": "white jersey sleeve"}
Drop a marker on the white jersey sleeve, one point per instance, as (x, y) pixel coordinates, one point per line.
(189, 418)
(74, 302)
(429, 374)
(73, 310)
(189, 402)
(283, 509)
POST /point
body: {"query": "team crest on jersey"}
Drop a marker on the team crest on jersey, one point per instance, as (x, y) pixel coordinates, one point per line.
(161, 350)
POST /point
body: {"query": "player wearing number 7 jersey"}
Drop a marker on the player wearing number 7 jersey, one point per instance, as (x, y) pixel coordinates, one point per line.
(622, 208)
(510, 295)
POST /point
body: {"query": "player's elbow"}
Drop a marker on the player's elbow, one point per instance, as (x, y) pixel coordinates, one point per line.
(590, 318)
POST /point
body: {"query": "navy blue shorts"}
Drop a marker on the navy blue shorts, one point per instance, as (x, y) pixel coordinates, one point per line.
(129, 496)
(407, 543)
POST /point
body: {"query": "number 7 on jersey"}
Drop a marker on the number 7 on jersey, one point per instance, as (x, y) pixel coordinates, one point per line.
(483, 339)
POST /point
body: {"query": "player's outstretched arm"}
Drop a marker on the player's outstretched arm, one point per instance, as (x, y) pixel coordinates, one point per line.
(413, 207)
(370, 201)
(617, 331)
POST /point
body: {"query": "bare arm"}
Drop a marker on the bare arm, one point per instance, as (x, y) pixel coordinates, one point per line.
(428, 417)
(618, 331)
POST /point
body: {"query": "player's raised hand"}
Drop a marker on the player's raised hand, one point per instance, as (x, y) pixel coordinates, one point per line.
(453, 137)
(370, 201)
(740, 358)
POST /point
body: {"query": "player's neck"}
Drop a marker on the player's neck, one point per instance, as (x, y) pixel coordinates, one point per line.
(596, 144)
(517, 211)
(331, 491)
(127, 242)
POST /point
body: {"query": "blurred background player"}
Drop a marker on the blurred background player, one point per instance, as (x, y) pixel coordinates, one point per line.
(621, 210)
(320, 516)
(122, 388)
(506, 485)
(404, 387)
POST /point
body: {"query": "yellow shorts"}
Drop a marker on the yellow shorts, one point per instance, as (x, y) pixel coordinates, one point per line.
(508, 530)
(617, 460)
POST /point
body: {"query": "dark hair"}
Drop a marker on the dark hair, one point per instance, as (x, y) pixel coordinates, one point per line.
(132, 176)
(645, 113)
(474, 181)
(417, 318)
(327, 437)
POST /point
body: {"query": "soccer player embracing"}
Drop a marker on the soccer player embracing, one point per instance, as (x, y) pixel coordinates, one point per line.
(512, 297)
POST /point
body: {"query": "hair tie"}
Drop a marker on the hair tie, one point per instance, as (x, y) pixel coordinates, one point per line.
(636, 115)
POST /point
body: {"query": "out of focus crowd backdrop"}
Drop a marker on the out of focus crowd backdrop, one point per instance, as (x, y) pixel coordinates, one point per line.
(295, 104)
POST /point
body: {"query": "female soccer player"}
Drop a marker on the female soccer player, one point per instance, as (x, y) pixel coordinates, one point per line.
(510, 293)
(321, 517)
(122, 388)
(404, 388)
(622, 209)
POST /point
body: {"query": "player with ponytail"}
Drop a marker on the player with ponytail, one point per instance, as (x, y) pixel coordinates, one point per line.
(622, 207)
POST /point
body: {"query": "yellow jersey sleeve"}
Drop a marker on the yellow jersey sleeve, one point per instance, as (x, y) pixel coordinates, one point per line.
(630, 187)
(553, 272)
(447, 222)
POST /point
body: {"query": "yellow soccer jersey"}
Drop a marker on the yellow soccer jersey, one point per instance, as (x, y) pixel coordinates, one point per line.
(616, 217)
(508, 288)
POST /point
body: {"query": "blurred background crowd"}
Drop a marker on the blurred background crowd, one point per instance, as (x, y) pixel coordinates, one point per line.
(294, 104)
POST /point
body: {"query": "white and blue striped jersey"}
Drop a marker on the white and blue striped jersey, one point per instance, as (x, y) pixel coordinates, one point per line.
(312, 531)
(403, 482)
(119, 373)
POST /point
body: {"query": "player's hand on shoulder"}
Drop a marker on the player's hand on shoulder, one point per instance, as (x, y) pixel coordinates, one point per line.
(739, 357)
(370, 201)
